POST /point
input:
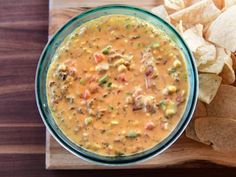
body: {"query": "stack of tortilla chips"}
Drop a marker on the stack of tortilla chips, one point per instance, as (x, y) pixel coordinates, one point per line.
(209, 29)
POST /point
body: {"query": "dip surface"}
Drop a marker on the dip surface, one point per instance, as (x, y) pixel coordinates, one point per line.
(117, 85)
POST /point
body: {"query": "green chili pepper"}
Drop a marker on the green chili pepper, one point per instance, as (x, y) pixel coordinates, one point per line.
(88, 120)
(82, 81)
(155, 45)
(132, 134)
(103, 79)
(162, 105)
(171, 70)
(110, 107)
(106, 50)
(109, 84)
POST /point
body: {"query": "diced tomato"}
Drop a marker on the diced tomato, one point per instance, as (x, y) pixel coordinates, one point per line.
(98, 57)
(121, 77)
(87, 94)
(149, 126)
(93, 87)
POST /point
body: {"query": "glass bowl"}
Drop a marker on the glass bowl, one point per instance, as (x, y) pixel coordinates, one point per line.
(46, 59)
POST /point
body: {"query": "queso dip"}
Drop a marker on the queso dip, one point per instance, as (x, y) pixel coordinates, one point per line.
(117, 85)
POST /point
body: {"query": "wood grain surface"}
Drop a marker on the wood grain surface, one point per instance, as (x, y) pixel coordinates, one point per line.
(184, 150)
(181, 152)
(23, 34)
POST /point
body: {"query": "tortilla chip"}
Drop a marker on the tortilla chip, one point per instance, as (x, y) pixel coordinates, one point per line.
(200, 111)
(174, 4)
(227, 74)
(208, 86)
(203, 50)
(161, 12)
(190, 131)
(233, 57)
(224, 103)
(234, 84)
(219, 132)
(222, 31)
(229, 3)
(228, 59)
(205, 28)
(205, 53)
(201, 12)
(219, 3)
(215, 66)
(189, 2)
(179, 27)
(193, 37)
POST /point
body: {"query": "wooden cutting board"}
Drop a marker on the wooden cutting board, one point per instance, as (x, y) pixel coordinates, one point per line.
(184, 150)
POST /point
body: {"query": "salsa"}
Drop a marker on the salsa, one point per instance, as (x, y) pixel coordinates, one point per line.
(117, 85)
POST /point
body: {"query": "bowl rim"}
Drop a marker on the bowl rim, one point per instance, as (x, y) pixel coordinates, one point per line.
(158, 151)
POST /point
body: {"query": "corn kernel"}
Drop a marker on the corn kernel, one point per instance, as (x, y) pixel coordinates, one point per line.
(172, 88)
(62, 67)
(94, 146)
(170, 112)
(177, 63)
(119, 62)
(114, 122)
(88, 120)
(122, 68)
(114, 85)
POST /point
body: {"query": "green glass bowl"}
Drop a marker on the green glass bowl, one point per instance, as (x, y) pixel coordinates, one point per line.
(46, 59)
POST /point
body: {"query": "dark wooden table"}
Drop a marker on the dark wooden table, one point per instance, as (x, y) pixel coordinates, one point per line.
(23, 34)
